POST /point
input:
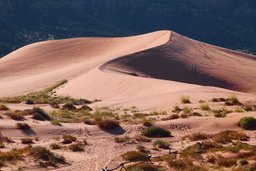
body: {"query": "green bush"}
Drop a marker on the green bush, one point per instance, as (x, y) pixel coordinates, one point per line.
(248, 123)
(135, 156)
(155, 132)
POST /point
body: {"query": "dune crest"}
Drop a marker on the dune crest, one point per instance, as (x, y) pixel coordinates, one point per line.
(132, 70)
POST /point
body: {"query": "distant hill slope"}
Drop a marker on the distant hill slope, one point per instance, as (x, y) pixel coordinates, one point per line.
(227, 23)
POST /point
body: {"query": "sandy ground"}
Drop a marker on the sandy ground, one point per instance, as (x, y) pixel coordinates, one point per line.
(150, 71)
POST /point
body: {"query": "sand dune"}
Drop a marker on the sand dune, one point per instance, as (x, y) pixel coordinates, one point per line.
(147, 70)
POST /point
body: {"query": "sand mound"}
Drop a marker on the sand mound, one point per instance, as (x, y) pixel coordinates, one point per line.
(146, 71)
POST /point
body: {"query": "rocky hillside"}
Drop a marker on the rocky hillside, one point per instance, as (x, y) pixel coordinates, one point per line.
(228, 23)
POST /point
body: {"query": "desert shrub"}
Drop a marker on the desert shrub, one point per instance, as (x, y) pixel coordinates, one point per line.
(55, 121)
(155, 132)
(141, 138)
(77, 147)
(147, 124)
(184, 116)
(135, 156)
(55, 146)
(39, 114)
(185, 100)
(17, 116)
(197, 136)
(228, 136)
(197, 114)
(85, 107)
(143, 167)
(89, 121)
(243, 162)
(23, 126)
(180, 164)
(205, 107)
(68, 139)
(225, 162)
(11, 156)
(176, 109)
(122, 139)
(29, 102)
(108, 124)
(27, 141)
(221, 99)
(44, 154)
(248, 123)
(54, 105)
(232, 101)
(186, 110)
(142, 148)
(162, 144)
(68, 106)
(221, 112)
(3, 107)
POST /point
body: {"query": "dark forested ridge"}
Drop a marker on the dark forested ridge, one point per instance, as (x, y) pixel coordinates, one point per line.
(227, 23)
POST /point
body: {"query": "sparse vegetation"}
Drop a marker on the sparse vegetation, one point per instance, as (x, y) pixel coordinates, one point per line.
(27, 141)
(135, 156)
(248, 123)
(220, 113)
(225, 162)
(161, 144)
(147, 124)
(77, 147)
(122, 139)
(55, 146)
(197, 136)
(205, 107)
(44, 97)
(228, 136)
(68, 106)
(155, 132)
(142, 148)
(232, 101)
(108, 124)
(186, 110)
(176, 109)
(185, 99)
(44, 154)
(3, 107)
(68, 139)
(16, 115)
(143, 167)
(23, 126)
(40, 114)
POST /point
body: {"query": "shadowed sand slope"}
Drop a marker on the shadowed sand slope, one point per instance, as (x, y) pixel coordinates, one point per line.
(147, 70)
(190, 61)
